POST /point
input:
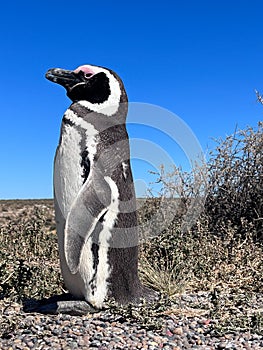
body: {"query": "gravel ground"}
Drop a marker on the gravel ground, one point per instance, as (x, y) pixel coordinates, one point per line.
(187, 325)
(181, 329)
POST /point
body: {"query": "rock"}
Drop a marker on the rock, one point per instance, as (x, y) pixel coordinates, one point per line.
(178, 331)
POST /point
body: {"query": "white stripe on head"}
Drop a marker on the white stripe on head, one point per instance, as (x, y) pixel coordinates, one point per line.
(110, 106)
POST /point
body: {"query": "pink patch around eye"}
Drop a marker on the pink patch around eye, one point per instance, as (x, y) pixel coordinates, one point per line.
(85, 69)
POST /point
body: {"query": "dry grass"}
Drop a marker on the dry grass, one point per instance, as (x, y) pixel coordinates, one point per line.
(29, 265)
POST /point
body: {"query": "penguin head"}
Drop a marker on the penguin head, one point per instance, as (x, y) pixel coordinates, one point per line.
(98, 88)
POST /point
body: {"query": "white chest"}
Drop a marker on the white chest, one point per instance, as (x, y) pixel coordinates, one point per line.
(76, 137)
(68, 171)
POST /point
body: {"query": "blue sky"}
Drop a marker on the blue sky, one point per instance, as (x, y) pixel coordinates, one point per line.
(201, 60)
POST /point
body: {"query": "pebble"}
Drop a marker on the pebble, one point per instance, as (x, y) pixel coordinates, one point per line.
(178, 330)
(106, 331)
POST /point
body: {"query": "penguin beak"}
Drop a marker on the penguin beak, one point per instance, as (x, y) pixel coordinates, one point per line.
(63, 77)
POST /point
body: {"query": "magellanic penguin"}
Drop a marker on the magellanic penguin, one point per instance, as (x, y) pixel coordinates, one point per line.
(95, 204)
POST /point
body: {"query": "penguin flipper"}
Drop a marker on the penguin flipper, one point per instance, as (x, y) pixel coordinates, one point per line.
(85, 213)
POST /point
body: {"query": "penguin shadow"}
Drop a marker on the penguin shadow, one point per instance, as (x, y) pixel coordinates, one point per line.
(58, 304)
(68, 304)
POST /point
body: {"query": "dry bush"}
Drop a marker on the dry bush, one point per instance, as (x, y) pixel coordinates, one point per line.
(235, 184)
(29, 265)
(222, 252)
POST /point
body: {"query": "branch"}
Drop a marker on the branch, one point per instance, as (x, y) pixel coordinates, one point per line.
(259, 97)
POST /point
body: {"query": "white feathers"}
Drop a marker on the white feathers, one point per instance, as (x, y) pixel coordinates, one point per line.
(86, 269)
(74, 118)
(68, 172)
(90, 132)
(103, 268)
(110, 106)
(66, 168)
(114, 205)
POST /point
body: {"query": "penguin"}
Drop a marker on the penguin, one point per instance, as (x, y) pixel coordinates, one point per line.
(94, 195)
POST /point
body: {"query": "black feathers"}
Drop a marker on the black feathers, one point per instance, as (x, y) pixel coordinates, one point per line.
(95, 89)
(85, 164)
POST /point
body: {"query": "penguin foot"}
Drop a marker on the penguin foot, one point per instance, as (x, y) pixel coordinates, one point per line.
(60, 304)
